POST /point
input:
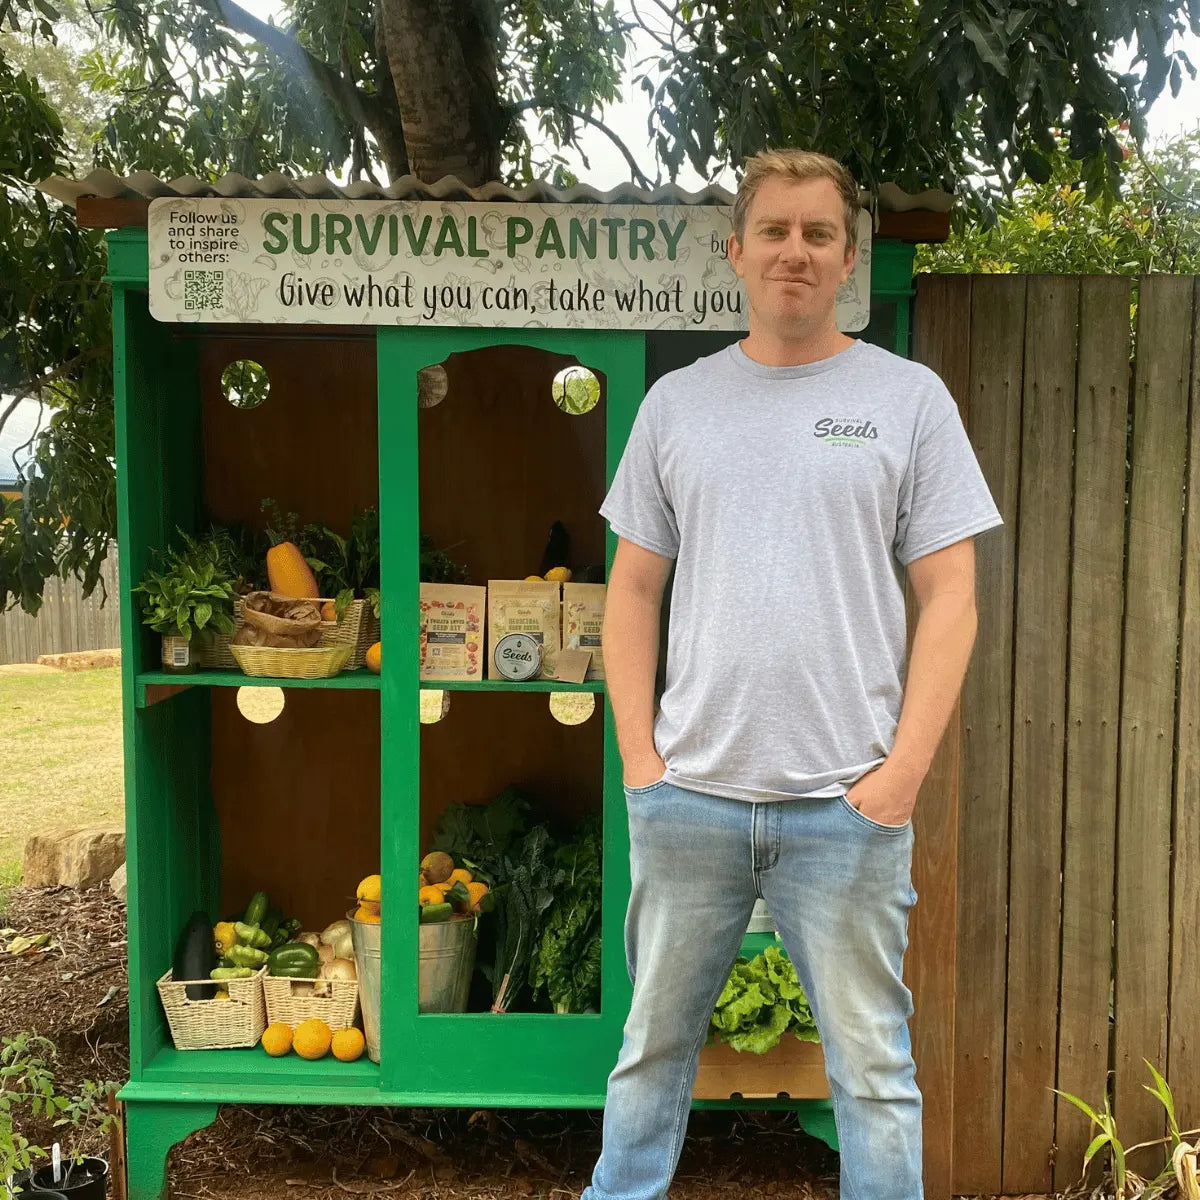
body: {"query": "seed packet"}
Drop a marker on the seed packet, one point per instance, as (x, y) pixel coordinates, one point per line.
(452, 631)
(532, 607)
(583, 621)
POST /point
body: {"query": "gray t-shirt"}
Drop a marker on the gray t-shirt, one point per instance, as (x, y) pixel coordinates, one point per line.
(791, 499)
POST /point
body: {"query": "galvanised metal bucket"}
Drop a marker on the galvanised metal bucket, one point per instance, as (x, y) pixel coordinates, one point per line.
(446, 960)
(445, 963)
(366, 938)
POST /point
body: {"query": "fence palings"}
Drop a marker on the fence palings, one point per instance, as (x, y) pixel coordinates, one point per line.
(993, 421)
(942, 332)
(66, 621)
(1143, 910)
(1097, 566)
(1039, 706)
(1183, 1053)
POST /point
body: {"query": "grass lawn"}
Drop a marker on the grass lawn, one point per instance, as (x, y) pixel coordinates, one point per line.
(60, 766)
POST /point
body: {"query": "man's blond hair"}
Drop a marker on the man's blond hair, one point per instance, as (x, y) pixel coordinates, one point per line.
(796, 165)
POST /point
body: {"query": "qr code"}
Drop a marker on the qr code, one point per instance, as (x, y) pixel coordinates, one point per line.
(203, 289)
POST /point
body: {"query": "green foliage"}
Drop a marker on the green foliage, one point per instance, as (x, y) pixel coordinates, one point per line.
(923, 94)
(1052, 228)
(54, 338)
(27, 1086)
(530, 881)
(566, 964)
(345, 567)
(760, 1002)
(482, 836)
(189, 592)
(1178, 1176)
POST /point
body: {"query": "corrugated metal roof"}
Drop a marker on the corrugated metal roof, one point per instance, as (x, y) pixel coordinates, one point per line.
(276, 186)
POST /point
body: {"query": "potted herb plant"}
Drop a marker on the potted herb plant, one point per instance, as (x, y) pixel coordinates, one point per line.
(27, 1087)
(189, 591)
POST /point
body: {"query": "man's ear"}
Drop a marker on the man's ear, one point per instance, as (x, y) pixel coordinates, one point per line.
(848, 264)
(734, 253)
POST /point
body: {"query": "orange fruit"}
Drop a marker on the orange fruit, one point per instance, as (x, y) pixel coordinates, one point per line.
(375, 658)
(476, 891)
(277, 1039)
(328, 611)
(429, 895)
(366, 916)
(348, 1044)
(311, 1039)
(459, 873)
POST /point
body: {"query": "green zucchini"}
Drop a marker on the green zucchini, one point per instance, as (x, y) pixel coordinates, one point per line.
(256, 910)
(195, 956)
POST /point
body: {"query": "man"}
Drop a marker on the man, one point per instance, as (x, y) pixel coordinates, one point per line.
(791, 479)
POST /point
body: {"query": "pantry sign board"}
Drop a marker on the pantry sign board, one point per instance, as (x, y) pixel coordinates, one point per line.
(387, 262)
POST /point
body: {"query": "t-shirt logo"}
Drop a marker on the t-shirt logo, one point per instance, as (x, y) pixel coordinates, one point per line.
(844, 431)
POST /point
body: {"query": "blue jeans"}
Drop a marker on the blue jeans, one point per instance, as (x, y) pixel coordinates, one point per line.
(838, 887)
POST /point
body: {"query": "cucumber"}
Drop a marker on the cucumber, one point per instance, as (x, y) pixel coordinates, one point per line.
(195, 956)
(256, 910)
(432, 914)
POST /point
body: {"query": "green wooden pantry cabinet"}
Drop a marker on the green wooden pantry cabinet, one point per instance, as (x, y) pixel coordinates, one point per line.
(347, 781)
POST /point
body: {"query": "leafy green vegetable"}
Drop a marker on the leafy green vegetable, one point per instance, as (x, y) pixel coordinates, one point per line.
(761, 1001)
(566, 963)
(530, 881)
(189, 591)
(481, 836)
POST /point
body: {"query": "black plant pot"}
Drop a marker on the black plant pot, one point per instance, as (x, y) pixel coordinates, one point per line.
(40, 1194)
(83, 1180)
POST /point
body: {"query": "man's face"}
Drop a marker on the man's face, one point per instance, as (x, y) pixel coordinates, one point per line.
(793, 255)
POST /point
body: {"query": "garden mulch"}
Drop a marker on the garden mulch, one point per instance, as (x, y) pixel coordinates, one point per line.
(73, 991)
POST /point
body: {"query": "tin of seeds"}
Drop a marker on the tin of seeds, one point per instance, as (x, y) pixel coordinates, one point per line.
(518, 657)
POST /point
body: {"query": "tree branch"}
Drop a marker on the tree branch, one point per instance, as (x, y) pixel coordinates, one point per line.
(355, 105)
(542, 103)
(36, 384)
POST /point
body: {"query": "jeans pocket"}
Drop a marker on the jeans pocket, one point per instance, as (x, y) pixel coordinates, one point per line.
(650, 787)
(877, 826)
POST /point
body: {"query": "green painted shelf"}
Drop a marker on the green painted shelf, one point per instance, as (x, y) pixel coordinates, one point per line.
(504, 685)
(347, 679)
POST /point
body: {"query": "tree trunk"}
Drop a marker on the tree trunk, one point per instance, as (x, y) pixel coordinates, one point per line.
(442, 57)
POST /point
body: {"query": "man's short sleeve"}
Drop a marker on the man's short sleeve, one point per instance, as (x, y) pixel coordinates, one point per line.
(637, 505)
(944, 497)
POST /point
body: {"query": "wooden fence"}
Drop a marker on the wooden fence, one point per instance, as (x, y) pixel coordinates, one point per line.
(1076, 749)
(66, 621)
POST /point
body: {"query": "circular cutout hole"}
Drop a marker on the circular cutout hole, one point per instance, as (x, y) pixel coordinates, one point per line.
(245, 383)
(576, 390)
(260, 704)
(572, 708)
(432, 385)
(434, 706)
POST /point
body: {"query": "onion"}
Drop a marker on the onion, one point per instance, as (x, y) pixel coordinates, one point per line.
(325, 953)
(340, 968)
(312, 939)
(338, 936)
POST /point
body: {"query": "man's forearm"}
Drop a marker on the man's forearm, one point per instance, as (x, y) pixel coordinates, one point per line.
(937, 666)
(631, 621)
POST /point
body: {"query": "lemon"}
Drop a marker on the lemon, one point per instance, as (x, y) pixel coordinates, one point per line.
(559, 575)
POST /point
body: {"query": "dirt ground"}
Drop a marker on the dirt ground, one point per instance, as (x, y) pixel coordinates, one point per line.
(74, 993)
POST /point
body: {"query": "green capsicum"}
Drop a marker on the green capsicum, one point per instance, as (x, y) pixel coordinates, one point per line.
(296, 960)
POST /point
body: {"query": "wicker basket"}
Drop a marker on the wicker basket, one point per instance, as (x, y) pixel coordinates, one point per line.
(319, 662)
(287, 1001)
(215, 1024)
(358, 628)
(212, 650)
